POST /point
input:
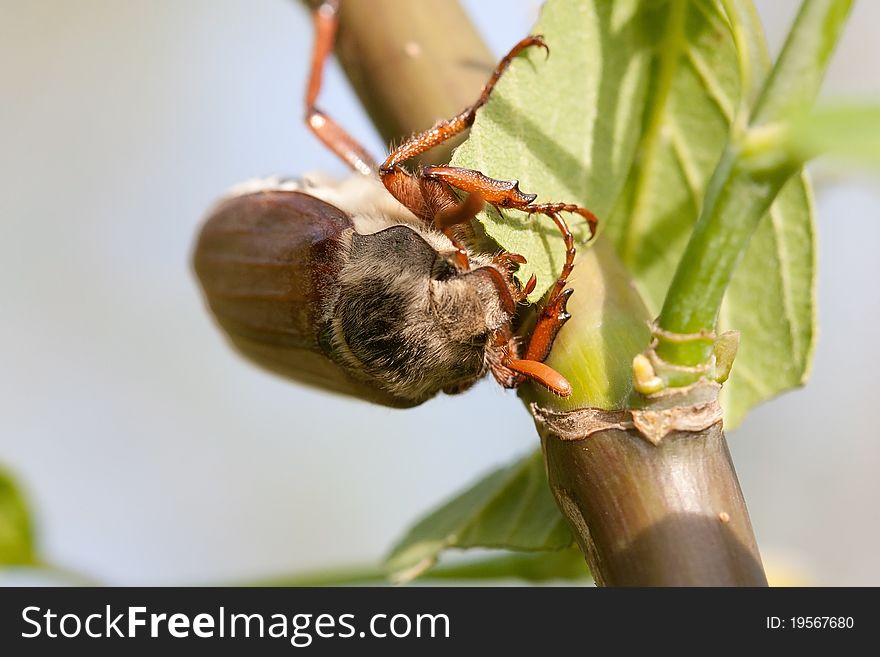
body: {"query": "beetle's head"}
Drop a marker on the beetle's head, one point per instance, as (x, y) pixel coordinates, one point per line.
(410, 319)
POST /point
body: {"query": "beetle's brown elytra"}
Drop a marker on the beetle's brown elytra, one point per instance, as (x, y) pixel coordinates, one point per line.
(374, 287)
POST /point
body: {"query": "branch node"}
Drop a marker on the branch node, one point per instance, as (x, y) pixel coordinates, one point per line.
(692, 409)
(652, 374)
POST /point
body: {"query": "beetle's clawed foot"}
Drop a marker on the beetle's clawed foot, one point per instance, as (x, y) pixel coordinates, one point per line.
(538, 40)
(523, 291)
(556, 309)
(509, 261)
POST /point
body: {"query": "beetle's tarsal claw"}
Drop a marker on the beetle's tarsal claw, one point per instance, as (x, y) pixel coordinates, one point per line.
(557, 306)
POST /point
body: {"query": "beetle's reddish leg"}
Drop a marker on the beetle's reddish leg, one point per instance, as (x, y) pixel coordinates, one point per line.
(510, 262)
(506, 194)
(451, 216)
(511, 372)
(553, 315)
(390, 171)
(552, 318)
(551, 209)
(570, 253)
(459, 213)
(326, 129)
(500, 193)
(540, 373)
(446, 129)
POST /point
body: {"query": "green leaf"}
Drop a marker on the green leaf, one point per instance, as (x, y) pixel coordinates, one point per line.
(848, 131)
(771, 301)
(694, 94)
(16, 534)
(565, 126)
(629, 117)
(566, 564)
(512, 508)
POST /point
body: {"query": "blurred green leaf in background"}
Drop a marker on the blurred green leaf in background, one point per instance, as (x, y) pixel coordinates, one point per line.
(16, 533)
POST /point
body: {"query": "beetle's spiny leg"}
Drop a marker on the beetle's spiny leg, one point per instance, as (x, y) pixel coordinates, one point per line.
(333, 136)
(553, 315)
(552, 318)
(446, 129)
(507, 194)
(527, 289)
(500, 193)
(550, 209)
(550, 321)
(511, 262)
(510, 371)
(570, 253)
(527, 42)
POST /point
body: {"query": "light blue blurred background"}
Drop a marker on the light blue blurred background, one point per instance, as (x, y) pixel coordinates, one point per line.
(151, 454)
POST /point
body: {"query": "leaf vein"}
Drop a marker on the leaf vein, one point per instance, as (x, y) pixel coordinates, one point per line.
(670, 54)
(685, 160)
(710, 83)
(784, 278)
(713, 14)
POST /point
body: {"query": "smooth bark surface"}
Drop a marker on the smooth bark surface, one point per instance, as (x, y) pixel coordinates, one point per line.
(646, 514)
(411, 63)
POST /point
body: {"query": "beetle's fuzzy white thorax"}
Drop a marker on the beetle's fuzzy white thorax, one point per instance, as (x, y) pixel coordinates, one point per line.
(363, 198)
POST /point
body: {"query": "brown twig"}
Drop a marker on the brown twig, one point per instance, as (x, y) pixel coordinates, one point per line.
(651, 494)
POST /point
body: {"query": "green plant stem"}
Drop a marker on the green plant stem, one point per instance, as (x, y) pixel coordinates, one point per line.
(738, 196)
(794, 81)
(734, 205)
